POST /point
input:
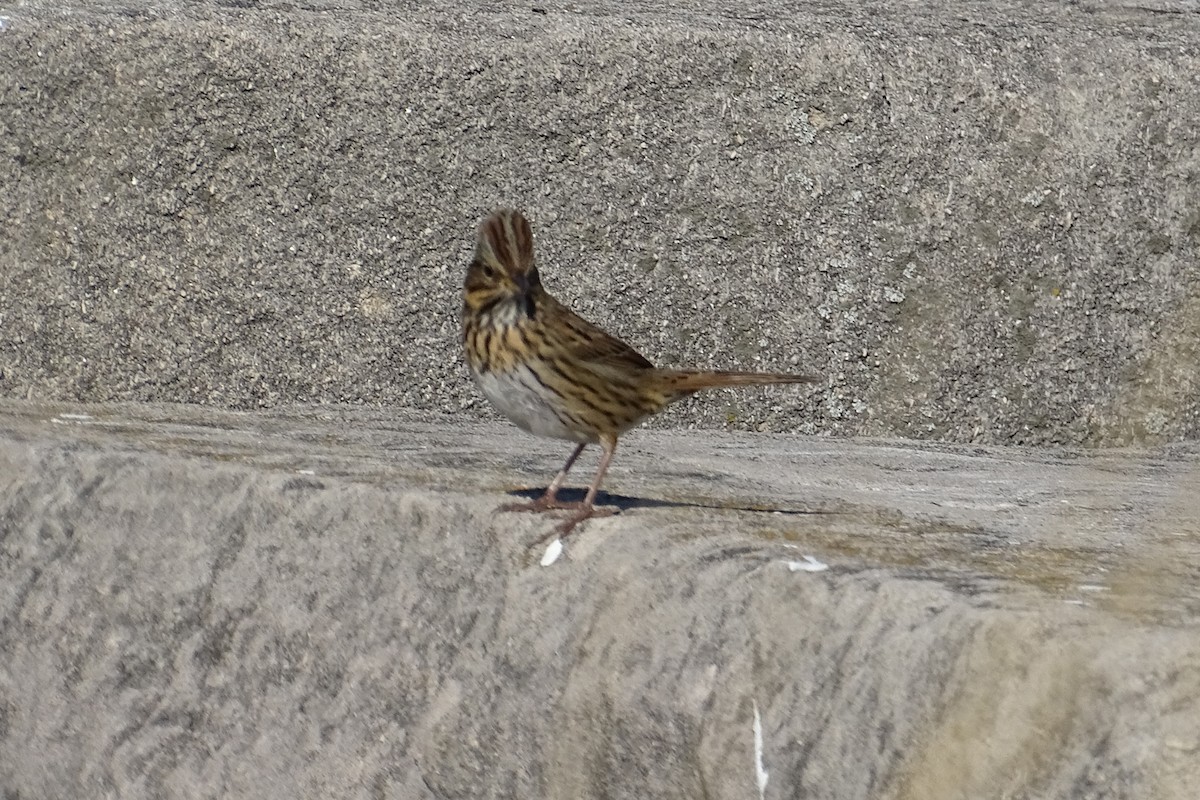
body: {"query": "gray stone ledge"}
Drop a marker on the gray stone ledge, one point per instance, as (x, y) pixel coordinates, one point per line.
(322, 602)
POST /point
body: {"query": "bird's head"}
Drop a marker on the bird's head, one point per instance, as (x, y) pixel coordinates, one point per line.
(502, 279)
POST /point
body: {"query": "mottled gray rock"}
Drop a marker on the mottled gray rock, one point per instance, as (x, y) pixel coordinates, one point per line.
(979, 220)
(323, 603)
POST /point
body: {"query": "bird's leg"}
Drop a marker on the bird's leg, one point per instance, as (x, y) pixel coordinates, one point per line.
(549, 500)
(587, 509)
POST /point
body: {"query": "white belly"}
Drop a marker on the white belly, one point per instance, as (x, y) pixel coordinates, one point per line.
(530, 406)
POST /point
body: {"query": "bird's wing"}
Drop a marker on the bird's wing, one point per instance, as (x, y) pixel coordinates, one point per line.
(589, 343)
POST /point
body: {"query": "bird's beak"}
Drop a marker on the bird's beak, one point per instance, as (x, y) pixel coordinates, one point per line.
(523, 283)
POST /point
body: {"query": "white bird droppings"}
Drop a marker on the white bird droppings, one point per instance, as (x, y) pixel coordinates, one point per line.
(809, 564)
(760, 771)
(553, 551)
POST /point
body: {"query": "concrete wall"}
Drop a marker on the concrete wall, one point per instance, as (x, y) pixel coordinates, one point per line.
(978, 221)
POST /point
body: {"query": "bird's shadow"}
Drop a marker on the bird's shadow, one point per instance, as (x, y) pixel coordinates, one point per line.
(624, 502)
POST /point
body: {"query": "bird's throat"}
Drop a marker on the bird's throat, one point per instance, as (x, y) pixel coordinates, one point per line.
(506, 311)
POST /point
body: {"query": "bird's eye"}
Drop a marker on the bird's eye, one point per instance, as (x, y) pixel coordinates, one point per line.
(487, 270)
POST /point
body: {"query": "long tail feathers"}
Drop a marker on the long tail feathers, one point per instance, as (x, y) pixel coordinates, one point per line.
(683, 382)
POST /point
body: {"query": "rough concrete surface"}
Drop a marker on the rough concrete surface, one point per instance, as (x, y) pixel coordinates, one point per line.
(978, 220)
(322, 603)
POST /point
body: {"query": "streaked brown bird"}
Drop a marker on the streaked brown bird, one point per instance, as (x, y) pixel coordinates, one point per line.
(555, 374)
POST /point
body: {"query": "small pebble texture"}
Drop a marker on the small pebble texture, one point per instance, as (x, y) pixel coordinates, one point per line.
(979, 222)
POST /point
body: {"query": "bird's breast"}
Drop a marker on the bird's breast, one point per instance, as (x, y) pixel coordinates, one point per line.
(519, 394)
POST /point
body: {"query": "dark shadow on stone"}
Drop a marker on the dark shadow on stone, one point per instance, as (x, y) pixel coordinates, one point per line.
(626, 502)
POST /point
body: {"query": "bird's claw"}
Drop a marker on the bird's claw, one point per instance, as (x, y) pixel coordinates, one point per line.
(585, 513)
(543, 503)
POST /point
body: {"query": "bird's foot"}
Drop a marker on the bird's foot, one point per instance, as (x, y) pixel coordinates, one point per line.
(583, 511)
(546, 502)
(581, 514)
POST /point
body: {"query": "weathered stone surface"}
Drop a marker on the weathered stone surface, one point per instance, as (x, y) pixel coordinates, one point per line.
(322, 603)
(979, 221)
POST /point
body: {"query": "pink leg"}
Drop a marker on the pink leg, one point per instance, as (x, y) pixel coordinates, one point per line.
(588, 509)
(549, 499)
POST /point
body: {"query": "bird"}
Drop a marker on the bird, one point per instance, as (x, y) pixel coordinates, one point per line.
(553, 373)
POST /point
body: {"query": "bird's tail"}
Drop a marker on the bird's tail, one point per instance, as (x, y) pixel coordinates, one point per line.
(684, 382)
